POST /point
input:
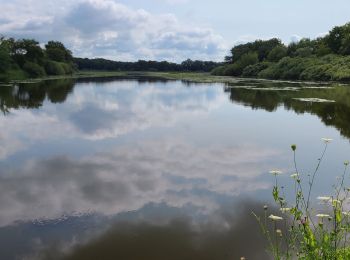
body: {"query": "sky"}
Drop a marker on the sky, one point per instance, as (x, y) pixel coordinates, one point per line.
(173, 30)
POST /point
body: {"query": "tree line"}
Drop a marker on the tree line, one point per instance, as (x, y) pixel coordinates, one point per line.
(25, 58)
(143, 65)
(325, 58)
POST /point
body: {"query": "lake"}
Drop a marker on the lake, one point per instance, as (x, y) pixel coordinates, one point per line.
(110, 168)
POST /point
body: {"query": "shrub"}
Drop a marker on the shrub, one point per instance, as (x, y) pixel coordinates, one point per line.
(5, 59)
(54, 68)
(277, 53)
(304, 52)
(254, 70)
(67, 68)
(33, 69)
(218, 71)
(232, 70)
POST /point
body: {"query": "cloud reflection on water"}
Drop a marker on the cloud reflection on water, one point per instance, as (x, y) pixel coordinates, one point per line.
(229, 234)
(130, 176)
(96, 113)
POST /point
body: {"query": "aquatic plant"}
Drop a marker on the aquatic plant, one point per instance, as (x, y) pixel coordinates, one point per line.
(305, 231)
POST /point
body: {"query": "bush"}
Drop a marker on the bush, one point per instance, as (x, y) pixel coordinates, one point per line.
(232, 70)
(67, 68)
(277, 53)
(254, 70)
(236, 69)
(33, 69)
(54, 68)
(247, 59)
(303, 52)
(5, 59)
(218, 71)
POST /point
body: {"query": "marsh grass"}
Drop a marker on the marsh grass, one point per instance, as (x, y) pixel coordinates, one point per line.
(309, 232)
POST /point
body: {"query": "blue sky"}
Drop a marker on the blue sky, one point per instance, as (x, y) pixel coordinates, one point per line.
(167, 29)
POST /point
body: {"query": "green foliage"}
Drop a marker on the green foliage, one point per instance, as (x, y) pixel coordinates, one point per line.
(330, 67)
(277, 53)
(142, 65)
(254, 70)
(304, 52)
(262, 48)
(218, 71)
(26, 50)
(325, 58)
(25, 58)
(54, 68)
(5, 59)
(247, 59)
(56, 51)
(287, 68)
(338, 39)
(232, 70)
(67, 67)
(33, 69)
(244, 61)
(58, 68)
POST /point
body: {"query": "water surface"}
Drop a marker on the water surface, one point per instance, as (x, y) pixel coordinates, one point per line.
(152, 169)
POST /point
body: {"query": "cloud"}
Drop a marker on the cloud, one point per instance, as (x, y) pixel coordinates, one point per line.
(295, 38)
(92, 113)
(105, 28)
(129, 177)
(234, 235)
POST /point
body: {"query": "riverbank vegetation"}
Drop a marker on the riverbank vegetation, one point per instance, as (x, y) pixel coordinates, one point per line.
(303, 230)
(143, 65)
(25, 58)
(323, 59)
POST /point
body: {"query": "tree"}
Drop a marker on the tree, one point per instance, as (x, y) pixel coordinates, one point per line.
(334, 39)
(304, 52)
(277, 53)
(5, 58)
(261, 47)
(25, 50)
(345, 45)
(56, 51)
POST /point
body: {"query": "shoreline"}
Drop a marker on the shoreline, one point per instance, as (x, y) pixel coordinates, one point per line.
(193, 77)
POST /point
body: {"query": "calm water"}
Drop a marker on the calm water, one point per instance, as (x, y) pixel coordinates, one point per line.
(147, 169)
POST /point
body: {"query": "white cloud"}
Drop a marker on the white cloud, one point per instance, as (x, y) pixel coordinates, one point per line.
(105, 28)
(91, 113)
(129, 177)
(295, 38)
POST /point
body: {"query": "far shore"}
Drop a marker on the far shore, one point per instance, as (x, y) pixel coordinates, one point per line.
(195, 77)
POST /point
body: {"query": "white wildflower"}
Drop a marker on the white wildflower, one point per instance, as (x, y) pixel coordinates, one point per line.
(326, 140)
(275, 172)
(295, 176)
(335, 202)
(346, 213)
(275, 218)
(324, 198)
(323, 216)
(285, 210)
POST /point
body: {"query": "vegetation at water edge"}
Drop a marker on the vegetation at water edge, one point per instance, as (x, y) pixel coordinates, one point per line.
(323, 59)
(303, 230)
